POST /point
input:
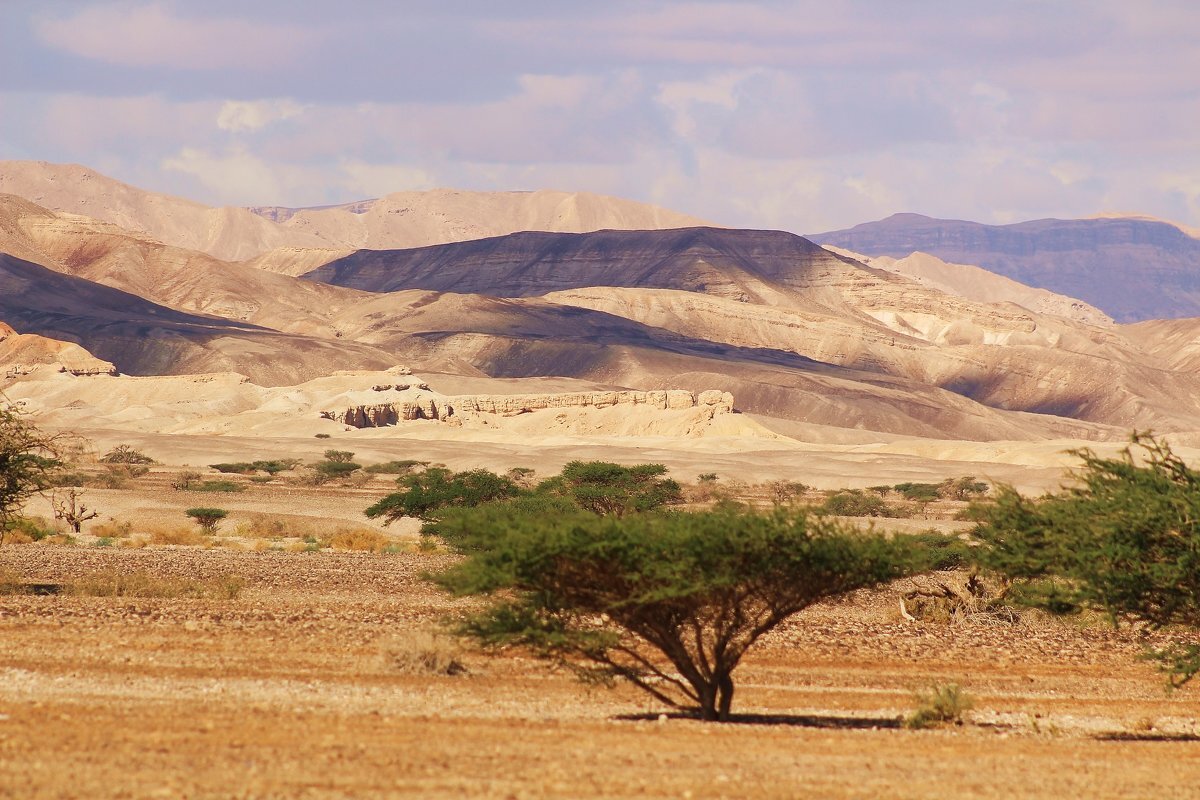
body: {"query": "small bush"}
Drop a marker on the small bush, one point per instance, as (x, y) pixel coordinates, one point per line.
(24, 530)
(919, 492)
(856, 503)
(219, 486)
(321, 436)
(275, 466)
(235, 468)
(104, 541)
(339, 456)
(124, 454)
(941, 705)
(261, 478)
(176, 536)
(207, 518)
(185, 480)
(112, 529)
(707, 477)
(783, 492)
(69, 479)
(423, 652)
(332, 470)
(395, 467)
(116, 476)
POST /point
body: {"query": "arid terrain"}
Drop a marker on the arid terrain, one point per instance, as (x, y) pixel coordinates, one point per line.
(275, 657)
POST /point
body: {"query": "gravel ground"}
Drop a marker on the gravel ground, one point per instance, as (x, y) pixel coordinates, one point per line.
(289, 691)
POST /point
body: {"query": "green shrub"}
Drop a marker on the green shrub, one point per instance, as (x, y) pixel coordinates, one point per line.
(856, 503)
(609, 489)
(218, 486)
(235, 468)
(339, 456)
(1125, 540)
(332, 470)
(425, 493)
(919, 492)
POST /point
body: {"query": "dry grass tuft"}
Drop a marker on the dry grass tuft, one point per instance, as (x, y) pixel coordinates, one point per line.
(364, 539)
(112, 529)
(144, 585)
(423, 652)
(940, 705)
(177, 535)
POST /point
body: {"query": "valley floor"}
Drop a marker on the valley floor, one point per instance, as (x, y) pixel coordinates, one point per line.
(290, 690)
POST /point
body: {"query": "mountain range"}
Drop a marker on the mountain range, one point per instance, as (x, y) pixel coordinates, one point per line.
(899, 343)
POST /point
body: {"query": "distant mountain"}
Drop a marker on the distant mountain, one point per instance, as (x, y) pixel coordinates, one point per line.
(1131, 268)
(405, 219)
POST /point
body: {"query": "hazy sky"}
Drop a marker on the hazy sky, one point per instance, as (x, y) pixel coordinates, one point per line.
(801, 116)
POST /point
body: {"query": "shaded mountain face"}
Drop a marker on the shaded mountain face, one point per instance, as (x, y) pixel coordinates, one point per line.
(1132, 269)
(736, 264)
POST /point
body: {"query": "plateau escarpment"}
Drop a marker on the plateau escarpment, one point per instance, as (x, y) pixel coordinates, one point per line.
(1131, 268)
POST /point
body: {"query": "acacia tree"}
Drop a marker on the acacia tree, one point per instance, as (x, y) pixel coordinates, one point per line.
(423, 494)
(608, 489)
(667, 601)
(1125, 540)
(28, 459)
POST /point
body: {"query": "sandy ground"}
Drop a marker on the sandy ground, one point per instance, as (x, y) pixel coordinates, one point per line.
(288, 691)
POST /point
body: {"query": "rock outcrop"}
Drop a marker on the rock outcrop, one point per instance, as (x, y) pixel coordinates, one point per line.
(22, 353)
(418, 402)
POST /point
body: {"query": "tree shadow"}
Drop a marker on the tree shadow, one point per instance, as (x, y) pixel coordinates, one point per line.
(1124, 736)
(794, 720)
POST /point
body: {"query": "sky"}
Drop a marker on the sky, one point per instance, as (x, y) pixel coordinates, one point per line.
(802, 116)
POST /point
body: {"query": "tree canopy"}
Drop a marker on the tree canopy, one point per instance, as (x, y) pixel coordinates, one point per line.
(1125, 539)
(668, 601)
(28, 460)
(607, 489)
(424, 493)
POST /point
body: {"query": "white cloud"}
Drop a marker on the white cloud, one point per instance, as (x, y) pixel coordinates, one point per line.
(237, 115)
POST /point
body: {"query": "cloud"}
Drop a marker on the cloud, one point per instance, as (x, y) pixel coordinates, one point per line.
(236, 116)
(154, 36)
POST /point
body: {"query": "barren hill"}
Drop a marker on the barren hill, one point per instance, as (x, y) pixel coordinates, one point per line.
(1131, 268)
(406, 219)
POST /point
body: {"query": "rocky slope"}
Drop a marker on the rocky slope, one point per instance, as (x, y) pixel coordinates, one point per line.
(1131, 268)
(22, 353)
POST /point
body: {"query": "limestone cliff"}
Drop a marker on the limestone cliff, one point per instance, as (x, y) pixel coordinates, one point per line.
(414, 400)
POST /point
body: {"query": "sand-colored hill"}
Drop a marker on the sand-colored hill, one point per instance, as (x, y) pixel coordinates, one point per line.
(22, 353)
(976, 283)
(406, 219)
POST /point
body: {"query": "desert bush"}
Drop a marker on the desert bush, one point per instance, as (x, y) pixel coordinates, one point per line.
(112, 529)
(707, 477)
(919, 492)
(426, 493)
(1125, 540)
(218, 486)
(28, 463)
(332, 470)
(260, 479)
(277, 465)
(523, 477)
(125, 454)
(339, 456)
(235, 468)
(207, 518)
(70, 478)
(940, 705)
(395, 467)
(321, 435)
(667, 601)
(857, 503)
(118, 475)
(423, 652)
(183, 481)
(962, 488)
(23, 530)
(164, 535)
(783, 492)
(364, 539)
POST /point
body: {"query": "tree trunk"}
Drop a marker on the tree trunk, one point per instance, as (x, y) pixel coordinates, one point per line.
(708, 702)
(725, 684)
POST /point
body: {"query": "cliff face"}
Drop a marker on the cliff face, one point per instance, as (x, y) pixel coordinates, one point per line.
(417, 402)
(1133, 269)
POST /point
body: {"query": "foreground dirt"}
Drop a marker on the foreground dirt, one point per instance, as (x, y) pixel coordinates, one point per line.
(290, 691)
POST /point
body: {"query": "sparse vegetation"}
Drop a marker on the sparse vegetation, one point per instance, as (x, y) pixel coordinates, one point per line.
(426, 493)
(185, 480)
(939, 705)
(364, 539)
(395, 467)
(125, 454)
(217, 486)
(857, 503)
(142, 584)
(423, 652)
